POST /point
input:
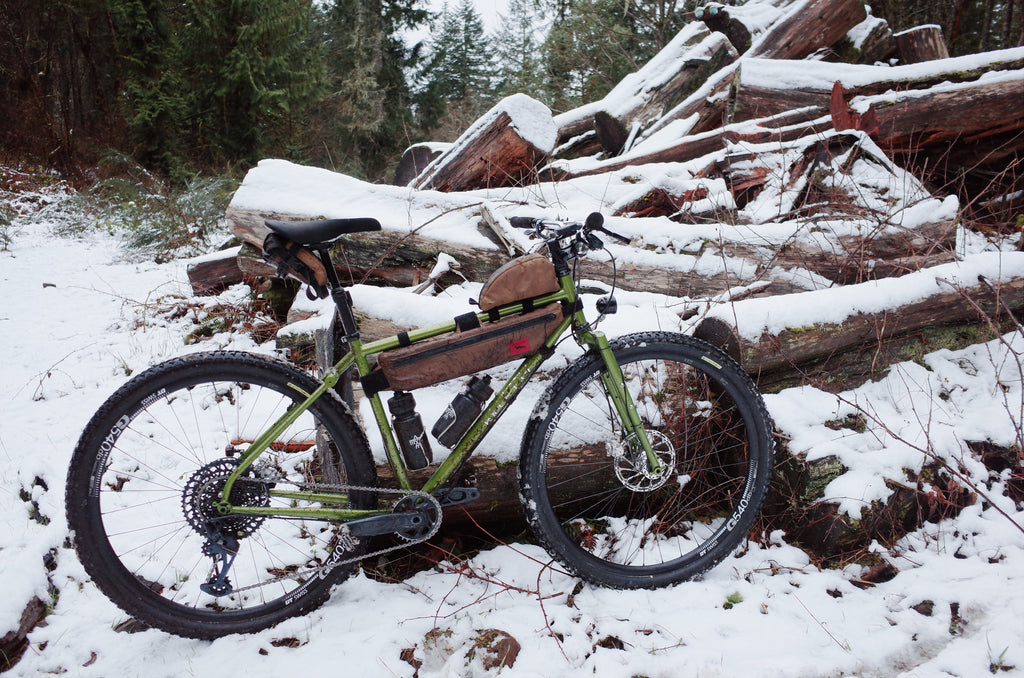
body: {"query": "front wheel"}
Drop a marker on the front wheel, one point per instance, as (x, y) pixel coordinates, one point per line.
(153, 461)
(590, 493)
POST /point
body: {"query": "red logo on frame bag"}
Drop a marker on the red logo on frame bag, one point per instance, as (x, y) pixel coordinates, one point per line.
(519, 346)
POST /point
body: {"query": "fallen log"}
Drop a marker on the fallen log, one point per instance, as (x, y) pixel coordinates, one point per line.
(808, 27)
(214, 272)
(391, 257)
(404, 259)
(504, 148)
(799, 28)
(809, 350)
(923, 43)
(642, 97)
(763, 87)
(975, 124)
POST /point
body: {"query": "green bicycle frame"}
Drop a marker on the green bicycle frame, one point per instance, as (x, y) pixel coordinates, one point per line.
(332, 508)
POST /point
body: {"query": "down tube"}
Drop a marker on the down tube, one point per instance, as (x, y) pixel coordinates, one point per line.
(508, 393)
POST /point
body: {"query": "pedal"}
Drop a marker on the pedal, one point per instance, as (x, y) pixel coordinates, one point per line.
(451, 496)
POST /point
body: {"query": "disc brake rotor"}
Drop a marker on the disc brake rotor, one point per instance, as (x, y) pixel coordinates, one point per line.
(631, 464)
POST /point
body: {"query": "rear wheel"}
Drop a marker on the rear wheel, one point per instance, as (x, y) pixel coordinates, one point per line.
(590, 493)
(154, 459)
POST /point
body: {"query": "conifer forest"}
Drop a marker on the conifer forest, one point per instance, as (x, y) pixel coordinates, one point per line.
(182, 88)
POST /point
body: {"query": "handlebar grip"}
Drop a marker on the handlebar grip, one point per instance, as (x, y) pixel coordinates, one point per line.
(522, 222)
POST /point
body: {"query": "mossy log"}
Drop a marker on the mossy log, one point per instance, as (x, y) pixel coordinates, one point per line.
(795, 505)
(795, 354)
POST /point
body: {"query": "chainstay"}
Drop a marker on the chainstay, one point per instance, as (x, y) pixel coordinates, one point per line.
(347, 538)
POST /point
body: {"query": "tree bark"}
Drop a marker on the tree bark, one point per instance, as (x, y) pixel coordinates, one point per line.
(924, 43)
(808, 27)
(498, 151)
(213, 274)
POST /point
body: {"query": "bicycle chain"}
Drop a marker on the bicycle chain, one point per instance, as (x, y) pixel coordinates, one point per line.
(349, 542)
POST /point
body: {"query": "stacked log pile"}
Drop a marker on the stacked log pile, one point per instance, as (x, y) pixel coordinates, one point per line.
(753, 118)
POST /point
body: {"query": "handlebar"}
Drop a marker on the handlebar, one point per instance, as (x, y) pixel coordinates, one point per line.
(556, 230)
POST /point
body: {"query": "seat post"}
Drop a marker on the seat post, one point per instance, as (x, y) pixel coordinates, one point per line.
(341, 297)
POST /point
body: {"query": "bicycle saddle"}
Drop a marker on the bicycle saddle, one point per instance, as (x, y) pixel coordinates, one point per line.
(321, 230)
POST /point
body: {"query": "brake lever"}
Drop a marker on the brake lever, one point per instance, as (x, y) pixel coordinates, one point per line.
(595, 222)
(621, 238)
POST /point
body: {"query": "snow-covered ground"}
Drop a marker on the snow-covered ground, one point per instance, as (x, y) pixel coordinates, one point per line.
(76, 317)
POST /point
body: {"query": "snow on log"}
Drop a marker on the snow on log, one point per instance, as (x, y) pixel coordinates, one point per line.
(503, 148)
(642, 97)
(784, 127)
(834, 326)
(792, 31)
(765, 87)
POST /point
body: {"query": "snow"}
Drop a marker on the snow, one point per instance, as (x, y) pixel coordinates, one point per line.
(753, 317)
(77, 316)
(693, 42)
(819, 75)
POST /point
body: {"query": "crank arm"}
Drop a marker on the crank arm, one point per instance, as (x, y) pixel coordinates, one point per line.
(450, 496)
(388, 523)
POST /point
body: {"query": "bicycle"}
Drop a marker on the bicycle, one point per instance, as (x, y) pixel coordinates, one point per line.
(224, 492)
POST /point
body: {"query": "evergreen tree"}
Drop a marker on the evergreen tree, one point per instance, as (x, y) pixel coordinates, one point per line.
(250, 67)
(590, 49)
(364, 121)
(458, 76)
(154, 100)
(518, 49)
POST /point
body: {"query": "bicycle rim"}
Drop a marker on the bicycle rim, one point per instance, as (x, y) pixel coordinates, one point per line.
(155, 458)
(598, 504)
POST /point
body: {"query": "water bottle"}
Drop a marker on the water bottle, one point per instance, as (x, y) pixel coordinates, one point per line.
(412, 439)
(462, 412)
